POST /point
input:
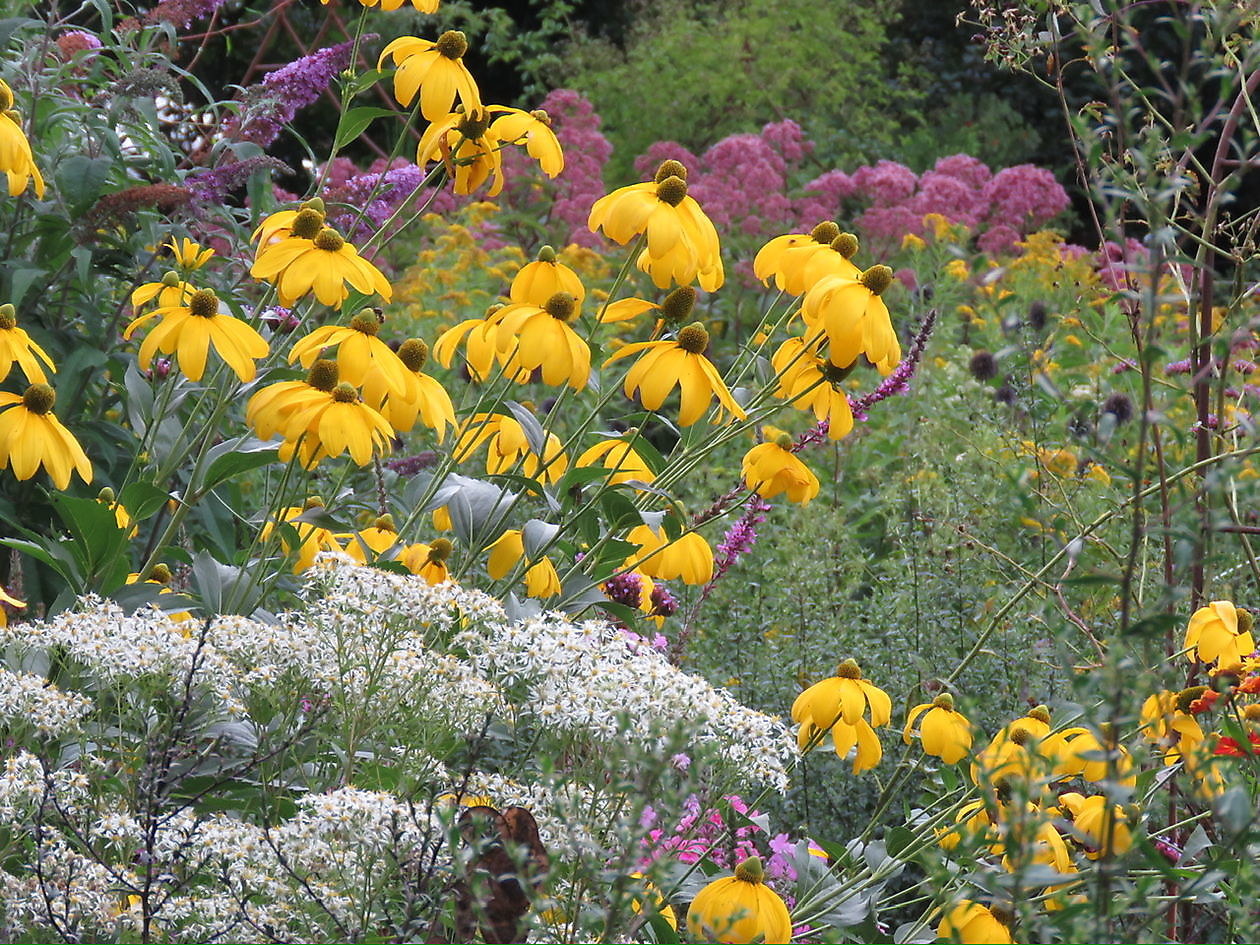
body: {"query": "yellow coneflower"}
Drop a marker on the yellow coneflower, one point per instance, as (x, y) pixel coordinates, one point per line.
(837, 705)
(539, 338)
(377, 538)
(740, 908)
(359, 352)
(539, 280)
(191, 327)
(772, 468)
(473, 151)
(170, 291)
(541, 579)
(532, 130)
(16, 159)
(688, 557)
(944, 732)
(797, 260)
(312, 539)
(323, 264)
(855, 318)
(16, 345)
(31, 436)
(424, 6)
(339, 422)
(679, 363)
(271, 408)
(620, 458)
(682, 243)
(972, 922)
(434, 69)
(480, 346)
(424, 398)
(811, 382)
(189, 254)
(508, 445)
(428, 561)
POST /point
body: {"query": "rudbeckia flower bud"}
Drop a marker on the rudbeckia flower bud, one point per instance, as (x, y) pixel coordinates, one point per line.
(825, 232)
(678, 304)
(846, 244)
(160, 573)
(452, 44)
(314, 203)
(877, 279)
(671, 168)
(367, 321)
(546, 254)
(322, 376)
(170, 278)
(106, 495)
(694, 339)
(671, 190)
(414, 353)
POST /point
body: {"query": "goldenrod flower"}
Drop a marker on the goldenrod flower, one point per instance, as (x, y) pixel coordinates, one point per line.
(682, 244)
(359, 352)
(312, 539)
(539, 338)
(424, 398)
(188, 254)
(325, 264)
(944, 732)
(539, 280)
(739, 908)
(337, 422)
(680, 363)
(16, 159)
(541, 579)
(969, 922)
(619, 456)
(31, 436)
(533, 131)
(434, 69)
(16, 345)
(1220, 631)
(813, 383)
(688, 557)
(797, 260)
(855, 318)
(772, 468)
(471, 150)
(508, 445)
(428, 561)
(191, 327)
(1102, 827)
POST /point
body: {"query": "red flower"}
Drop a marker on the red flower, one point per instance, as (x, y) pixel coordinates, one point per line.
(1231, 747)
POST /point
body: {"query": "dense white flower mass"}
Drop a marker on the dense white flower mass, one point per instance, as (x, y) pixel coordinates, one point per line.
(427, 691)
(30, 699)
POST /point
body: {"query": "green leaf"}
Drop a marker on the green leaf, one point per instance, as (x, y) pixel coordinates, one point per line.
(143, 499)
(81, 180)
(355, 122)
(22, 279)
(231, 458)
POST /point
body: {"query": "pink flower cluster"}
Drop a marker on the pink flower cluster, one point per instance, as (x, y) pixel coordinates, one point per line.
(703, 832)
(1001, 208)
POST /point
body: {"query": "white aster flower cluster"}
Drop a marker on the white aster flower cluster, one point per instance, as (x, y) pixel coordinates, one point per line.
(586, 677)
(30, 699)
(23, 786)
